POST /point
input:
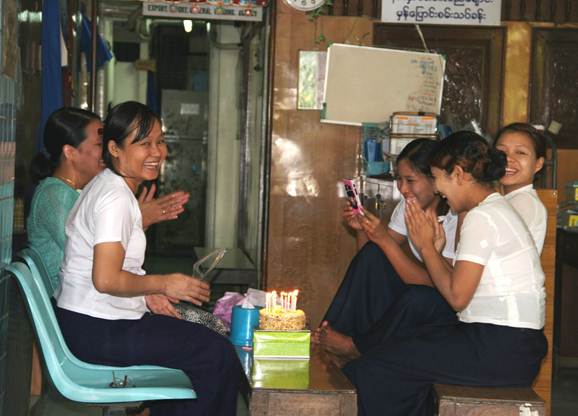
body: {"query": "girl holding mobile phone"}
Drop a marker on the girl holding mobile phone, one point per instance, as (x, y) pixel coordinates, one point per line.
(387, 264)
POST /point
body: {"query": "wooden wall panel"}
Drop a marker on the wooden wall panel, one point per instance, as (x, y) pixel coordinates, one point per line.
(473, 76)
(559, 10)
(543, 383)
(544, 11)
(308, 247)
(554, 94)
(516, 72)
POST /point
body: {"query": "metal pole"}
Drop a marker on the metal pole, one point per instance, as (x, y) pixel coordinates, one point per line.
(94, 29)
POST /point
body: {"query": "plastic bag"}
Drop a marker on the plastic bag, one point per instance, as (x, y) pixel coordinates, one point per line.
(224, 306)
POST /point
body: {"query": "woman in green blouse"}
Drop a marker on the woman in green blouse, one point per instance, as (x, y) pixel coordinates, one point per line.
(72, 157)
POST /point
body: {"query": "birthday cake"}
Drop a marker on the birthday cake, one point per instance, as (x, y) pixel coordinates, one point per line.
(277, 318)
(281, 332)
(281, 313)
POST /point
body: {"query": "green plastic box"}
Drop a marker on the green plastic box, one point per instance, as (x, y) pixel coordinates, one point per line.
(282, 344)
(280, 374)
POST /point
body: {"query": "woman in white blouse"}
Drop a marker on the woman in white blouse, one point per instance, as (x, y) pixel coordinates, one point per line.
(525, 148)
(496, 285)
(101, 305)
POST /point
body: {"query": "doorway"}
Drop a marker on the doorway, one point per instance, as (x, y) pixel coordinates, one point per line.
(207, 80)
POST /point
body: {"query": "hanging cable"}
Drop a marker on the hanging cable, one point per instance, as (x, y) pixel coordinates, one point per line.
(422, 38)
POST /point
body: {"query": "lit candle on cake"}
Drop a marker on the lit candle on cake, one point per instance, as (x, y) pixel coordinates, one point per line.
(294, 299)
(281, 313)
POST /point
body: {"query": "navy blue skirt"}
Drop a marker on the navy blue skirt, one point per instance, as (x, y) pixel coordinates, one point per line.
(206, 357)
(396, 377)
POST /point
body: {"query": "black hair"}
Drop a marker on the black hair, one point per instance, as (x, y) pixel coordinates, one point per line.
(418, 153)
(65, 126)
(473, 154)
(536, 136)
(121, 121)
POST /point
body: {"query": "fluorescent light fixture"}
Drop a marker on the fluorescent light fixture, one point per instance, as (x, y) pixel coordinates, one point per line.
(188, 25)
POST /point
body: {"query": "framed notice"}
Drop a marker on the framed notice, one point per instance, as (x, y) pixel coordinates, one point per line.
(311, 79)
(364, 84)
(442, 12)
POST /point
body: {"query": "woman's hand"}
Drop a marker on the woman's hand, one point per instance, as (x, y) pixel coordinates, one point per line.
(352, 218)
(420, 227)
(164, 208)
(184, 287)
(439, 232)
(162, 305)
(373, 227)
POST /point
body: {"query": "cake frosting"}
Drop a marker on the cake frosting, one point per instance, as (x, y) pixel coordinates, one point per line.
(280, 319)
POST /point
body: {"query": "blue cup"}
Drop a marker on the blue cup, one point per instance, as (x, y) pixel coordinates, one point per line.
(243, 323)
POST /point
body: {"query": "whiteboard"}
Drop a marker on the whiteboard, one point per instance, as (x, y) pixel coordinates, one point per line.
(364, 84)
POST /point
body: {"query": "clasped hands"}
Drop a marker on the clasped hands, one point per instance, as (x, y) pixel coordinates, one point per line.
(423, 227)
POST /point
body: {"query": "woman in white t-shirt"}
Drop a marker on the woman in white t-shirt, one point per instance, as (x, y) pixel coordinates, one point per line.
(387, 267)
(525, 148)
(101, 305)
(496, 285)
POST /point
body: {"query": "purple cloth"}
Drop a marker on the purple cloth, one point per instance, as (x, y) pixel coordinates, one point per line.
(224, 306)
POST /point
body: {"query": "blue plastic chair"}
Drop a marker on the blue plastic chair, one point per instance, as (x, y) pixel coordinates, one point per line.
(34, 261)
(90, 383)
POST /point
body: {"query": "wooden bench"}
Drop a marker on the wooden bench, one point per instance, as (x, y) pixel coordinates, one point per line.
(471, 401)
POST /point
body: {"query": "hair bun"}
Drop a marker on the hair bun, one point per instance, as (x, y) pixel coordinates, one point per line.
(496, 167)
(41, 166)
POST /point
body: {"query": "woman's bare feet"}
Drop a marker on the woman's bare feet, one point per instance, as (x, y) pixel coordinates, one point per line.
(316, 334)
(335, 342)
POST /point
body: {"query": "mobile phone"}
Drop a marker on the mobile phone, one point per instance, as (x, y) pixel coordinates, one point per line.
(353, 196)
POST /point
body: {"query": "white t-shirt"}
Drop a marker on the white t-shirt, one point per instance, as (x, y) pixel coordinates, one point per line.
(528, 205)
(511, 290)
(106, 211)
(450, 223)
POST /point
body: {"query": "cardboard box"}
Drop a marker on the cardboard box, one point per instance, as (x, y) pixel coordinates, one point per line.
(413, 123)
(280, 374)
(281, 344)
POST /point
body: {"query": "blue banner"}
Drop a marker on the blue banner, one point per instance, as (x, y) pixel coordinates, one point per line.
(51, 64)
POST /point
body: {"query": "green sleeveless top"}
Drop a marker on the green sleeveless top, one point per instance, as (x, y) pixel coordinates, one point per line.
(51, 204)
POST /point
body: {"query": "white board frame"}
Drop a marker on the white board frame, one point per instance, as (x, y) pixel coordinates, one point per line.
(359, 71)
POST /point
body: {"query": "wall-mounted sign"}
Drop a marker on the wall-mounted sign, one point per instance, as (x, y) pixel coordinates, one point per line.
(246, 11)
(442, 12)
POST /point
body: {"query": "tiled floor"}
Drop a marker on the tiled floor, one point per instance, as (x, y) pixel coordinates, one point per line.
(564, 400)
(56, 406)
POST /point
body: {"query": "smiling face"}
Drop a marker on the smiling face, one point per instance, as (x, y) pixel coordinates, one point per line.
(140, 161)
(87, 157)
(446, 186)
(413, 184)
(522, 161)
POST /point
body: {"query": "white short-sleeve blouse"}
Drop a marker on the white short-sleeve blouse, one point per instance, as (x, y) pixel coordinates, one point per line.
(106, 211)
(528, 205)
(511, 290)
